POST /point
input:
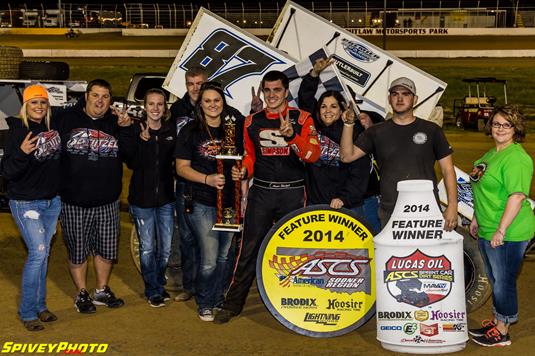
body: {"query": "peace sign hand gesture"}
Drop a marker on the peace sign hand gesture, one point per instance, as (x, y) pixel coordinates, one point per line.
(144, 134)
(286, 129)
(29, 145)
(256, 103)
(123, 119)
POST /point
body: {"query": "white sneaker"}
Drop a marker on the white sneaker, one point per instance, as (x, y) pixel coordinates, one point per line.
(206, 314)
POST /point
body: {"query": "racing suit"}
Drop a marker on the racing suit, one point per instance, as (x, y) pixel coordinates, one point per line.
(276, 162)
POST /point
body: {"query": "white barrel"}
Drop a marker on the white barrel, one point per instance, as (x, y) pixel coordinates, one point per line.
(419, 277)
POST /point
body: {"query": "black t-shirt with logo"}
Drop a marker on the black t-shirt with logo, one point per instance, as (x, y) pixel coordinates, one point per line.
(404, 152)
(195, 144)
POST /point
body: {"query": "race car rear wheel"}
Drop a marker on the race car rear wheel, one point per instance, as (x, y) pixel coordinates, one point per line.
(134, 248)
(477, 285)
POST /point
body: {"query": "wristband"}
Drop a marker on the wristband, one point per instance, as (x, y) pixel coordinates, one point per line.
(205, 177)
(349, 125)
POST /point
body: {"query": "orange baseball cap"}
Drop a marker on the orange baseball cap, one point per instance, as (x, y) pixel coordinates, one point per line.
(34, 91)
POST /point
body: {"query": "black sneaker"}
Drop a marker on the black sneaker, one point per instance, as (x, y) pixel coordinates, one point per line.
(107, 298)
(487, 325)
(493, 338)
(166, 297)
(83, 303)
(223, 316)
(156, 301)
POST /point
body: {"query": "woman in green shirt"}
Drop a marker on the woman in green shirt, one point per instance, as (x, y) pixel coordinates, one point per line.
(503, 219)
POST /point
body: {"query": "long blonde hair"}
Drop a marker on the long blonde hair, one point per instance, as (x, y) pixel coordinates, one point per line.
(23, 113)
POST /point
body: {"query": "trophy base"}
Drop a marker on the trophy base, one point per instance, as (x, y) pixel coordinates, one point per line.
(228, 227)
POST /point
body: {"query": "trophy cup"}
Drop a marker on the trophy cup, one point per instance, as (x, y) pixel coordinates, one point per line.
(228, 219)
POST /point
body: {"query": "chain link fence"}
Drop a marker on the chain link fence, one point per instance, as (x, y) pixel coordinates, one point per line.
(350, 14)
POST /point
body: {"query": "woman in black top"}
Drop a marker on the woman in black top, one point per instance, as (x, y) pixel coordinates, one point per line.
(149, 152)
(31, 167)
(328, 180)
(197, 145)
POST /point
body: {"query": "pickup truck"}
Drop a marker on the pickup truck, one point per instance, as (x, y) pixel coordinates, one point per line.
(139, 84)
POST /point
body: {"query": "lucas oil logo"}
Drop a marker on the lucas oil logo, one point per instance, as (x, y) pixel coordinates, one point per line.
(228, 58)
(359, 52)
(335, 271)
(419, 279)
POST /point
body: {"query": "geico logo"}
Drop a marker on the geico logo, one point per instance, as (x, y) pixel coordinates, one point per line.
(454, 314)
(333, 267)
(271, 138)
(391, 327)
(397, 275)
(337, 304)
(299, 301)
(394, 315)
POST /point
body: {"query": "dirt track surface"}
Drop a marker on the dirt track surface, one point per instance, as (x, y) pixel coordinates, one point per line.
(116, 41)
(137, 329)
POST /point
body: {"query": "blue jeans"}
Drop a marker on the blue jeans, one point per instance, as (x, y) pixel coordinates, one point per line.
(154, 228)
(502, 265)
(36, 221)
(371, 212)
(189, 248)
(214, 247)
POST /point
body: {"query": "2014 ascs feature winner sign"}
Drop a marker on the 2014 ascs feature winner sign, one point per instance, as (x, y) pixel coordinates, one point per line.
(315, 271)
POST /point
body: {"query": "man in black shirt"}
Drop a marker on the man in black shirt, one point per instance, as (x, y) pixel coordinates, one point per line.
(184, 250)
(405, 147)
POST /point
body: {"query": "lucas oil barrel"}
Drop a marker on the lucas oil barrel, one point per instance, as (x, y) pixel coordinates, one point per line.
(419, 277)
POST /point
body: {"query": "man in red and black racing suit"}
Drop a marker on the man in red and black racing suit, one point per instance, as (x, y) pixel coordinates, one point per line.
(278, 140)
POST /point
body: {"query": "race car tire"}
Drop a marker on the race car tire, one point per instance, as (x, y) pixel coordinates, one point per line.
(10, 58)
(44, 70)
(477, 285)
(134, 248)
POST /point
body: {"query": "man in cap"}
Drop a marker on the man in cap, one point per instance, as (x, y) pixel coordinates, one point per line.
(406, 147)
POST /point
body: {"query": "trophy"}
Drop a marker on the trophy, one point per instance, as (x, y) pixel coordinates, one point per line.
(228, 219)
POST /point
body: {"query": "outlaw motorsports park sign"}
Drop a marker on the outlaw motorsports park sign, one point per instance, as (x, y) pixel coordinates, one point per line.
(315, 271)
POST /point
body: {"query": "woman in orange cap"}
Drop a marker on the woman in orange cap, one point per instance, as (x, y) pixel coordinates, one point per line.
(31, 168)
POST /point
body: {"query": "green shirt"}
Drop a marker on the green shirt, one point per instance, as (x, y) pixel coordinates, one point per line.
(502, 174)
